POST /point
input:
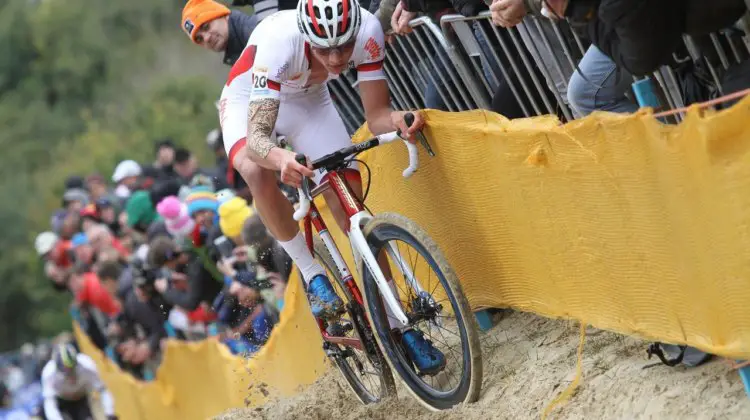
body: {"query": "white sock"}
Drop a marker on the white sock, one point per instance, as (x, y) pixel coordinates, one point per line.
(303, 259)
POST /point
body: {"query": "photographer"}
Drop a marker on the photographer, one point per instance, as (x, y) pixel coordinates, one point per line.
(185, 281)
(139, 330)
(249, 305)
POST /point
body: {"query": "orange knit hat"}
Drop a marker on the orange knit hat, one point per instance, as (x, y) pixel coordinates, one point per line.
(198, 12)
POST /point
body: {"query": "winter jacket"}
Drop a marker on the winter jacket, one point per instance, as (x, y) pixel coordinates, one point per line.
(240, 28)
(641, 35)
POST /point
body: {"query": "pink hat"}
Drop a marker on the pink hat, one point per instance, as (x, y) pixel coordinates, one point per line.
(176, 217)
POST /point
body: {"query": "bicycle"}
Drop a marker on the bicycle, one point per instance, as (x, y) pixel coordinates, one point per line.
(363, 334)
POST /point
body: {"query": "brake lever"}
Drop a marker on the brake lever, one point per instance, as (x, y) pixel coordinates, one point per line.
(304, 192)
(409, 120)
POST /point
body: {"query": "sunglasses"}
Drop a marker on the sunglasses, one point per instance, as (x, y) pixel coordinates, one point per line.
(340, 49)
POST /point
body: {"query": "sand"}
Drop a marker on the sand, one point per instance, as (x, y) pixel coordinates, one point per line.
(528, 361)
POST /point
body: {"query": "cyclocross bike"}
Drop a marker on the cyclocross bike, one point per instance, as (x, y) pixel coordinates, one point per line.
(427, 295)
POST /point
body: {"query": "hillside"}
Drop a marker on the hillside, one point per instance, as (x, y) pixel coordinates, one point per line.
(84, 85)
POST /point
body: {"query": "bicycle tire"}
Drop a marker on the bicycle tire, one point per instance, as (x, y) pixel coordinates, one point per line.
(385, 227)
(357, 313)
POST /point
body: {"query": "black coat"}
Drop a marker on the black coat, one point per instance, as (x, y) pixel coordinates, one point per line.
(641, 35)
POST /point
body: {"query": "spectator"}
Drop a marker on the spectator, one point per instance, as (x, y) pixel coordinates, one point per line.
(213, 26)
(108, 214)
(182, 268)
(74, 200)
(177, 218)
(109, 273)
(126, 177)
(162, 166)
(202, 206)
(140, 212)
(629, 37)
(97, 188)
(186, 166)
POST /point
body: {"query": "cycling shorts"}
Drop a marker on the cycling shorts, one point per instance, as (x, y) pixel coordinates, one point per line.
(309, 121)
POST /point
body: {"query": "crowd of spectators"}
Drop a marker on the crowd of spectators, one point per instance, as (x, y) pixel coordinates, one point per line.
(169, 250)
(166, 250)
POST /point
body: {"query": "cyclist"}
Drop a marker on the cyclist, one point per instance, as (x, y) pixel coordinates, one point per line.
(278, 86)
(67, 379)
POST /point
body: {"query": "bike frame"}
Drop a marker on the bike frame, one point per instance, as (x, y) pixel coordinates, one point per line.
(358, 216)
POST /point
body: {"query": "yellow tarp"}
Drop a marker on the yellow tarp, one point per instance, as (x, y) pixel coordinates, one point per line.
(201, 379)
(620, 221)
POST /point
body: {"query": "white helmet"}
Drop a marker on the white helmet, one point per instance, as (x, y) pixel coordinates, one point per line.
(328, 23)
(44, 242)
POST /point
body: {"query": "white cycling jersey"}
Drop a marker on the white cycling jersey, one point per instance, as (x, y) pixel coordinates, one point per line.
(276, 64)
(56, 384)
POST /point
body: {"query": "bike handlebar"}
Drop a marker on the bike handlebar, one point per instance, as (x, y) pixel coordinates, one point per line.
(336, 158)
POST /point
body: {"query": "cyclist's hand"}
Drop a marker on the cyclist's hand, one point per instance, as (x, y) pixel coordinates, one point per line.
(397, 118)
(291, 170)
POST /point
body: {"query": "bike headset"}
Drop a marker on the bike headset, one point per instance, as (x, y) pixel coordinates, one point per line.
(66, 358)
(328, 23)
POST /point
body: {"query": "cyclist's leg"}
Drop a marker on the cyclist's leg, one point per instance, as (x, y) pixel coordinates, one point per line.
(324, 132)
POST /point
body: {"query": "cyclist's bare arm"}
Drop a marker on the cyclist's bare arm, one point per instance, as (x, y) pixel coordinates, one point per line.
(261, 119)
(376, 100)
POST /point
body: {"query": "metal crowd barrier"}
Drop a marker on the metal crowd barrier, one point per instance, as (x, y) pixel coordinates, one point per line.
(460, 64)
(534, 46)
(347, 102)
(422, 61)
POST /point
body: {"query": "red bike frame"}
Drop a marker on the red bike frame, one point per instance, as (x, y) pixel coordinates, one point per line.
(351, 205)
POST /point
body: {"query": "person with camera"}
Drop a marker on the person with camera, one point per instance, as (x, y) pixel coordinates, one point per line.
(185, 280)
(139, 331)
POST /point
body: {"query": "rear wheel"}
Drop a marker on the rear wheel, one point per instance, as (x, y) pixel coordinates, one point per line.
(366, 372)
(432, 299)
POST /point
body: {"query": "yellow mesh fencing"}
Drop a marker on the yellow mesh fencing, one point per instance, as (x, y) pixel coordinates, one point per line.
(199, 380)
(616, 220)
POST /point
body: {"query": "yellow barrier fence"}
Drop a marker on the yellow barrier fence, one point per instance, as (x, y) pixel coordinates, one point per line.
(201, 379)
(616, 220)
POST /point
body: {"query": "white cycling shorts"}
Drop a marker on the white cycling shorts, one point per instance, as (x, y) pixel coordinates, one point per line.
(308, 120)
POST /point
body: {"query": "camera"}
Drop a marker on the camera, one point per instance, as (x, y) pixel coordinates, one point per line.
(144, 276)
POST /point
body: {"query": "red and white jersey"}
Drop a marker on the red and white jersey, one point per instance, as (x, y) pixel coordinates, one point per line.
(276, 64)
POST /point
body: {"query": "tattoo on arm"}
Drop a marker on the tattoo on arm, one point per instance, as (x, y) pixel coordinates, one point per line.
(261, 121)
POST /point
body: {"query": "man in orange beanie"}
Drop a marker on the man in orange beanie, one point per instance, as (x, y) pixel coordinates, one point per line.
(213, 26)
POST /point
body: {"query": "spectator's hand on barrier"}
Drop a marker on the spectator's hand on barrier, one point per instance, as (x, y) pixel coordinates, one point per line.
(400, 20)
(507, 13)
(397, 118)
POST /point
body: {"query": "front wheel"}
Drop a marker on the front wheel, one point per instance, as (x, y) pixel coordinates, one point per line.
(432, 298)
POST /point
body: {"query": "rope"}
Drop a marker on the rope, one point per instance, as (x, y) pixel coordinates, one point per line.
(570, 390)
(706, 104)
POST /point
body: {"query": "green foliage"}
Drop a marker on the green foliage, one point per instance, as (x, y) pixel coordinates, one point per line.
(79, 93)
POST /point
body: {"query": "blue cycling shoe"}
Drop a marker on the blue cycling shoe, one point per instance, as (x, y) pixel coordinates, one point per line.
(422, 353)
(324, 301)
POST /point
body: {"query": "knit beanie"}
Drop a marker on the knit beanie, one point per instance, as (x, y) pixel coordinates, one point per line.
(201, 198)
(197, 12)
(232, 216)
(176, 217)
(140, 209)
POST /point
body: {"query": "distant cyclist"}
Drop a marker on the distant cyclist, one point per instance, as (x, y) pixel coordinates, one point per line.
(278, 87)
(67, 380)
